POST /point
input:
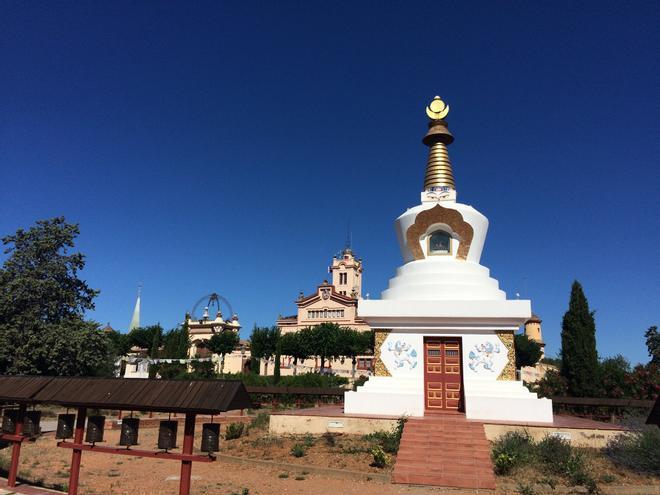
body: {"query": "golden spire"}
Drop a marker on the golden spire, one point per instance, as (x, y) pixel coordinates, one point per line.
(438, 165)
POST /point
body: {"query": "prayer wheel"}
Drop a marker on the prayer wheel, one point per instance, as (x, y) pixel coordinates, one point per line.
(95, 427)
(31, 423)
(167, 434)
(210, 437)
(65, 424)
(9, 420)
(129, 431)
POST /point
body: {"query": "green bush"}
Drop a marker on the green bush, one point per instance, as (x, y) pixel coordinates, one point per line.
(551, 450)
(638, 451)
(234, 431)
(388, 440)
(298, 450)
(504, 463)
(359, 381)
(511, 450)
(313, 380)
(380, 458)
(330, 439)
(308, 440)
(261, 420)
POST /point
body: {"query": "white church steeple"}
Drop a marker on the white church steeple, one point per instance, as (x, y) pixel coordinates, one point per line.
(135, 320)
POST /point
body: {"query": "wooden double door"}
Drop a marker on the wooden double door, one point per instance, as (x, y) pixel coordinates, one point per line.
(443, 377)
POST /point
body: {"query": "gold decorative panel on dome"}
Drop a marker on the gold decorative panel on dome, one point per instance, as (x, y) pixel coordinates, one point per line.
(435, 215)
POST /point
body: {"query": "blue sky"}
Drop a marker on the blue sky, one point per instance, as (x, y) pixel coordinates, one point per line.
(207, 146)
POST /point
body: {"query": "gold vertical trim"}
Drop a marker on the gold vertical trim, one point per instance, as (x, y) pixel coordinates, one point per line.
(379, 339)
(509, 371)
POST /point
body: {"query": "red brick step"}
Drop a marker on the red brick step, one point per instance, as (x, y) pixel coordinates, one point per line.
(444, 451)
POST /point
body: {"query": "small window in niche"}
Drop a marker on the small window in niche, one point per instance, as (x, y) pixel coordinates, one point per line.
(439, 243)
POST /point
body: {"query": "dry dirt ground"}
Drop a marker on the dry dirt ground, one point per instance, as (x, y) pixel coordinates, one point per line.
(117, 474)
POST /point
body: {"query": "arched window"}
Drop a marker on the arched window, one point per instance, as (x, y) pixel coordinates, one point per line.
(439, 243)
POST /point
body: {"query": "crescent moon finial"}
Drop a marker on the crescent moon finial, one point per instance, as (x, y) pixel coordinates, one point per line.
(437, 109)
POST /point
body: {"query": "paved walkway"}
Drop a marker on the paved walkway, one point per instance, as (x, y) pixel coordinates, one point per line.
(444, 450)
(23, 489)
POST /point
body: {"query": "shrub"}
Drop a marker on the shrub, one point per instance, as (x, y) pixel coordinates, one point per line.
(504, 463)
(388, 440)
(638, 451)
(298, 450)
(552, 449)
(380, 457)
(511, 450)
(359, 381)
(260, 420)
(329, 438)
(308, 440)
(525, 489)
(234, 430)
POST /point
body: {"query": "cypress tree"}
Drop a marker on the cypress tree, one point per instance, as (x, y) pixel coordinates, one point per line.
(578, 346)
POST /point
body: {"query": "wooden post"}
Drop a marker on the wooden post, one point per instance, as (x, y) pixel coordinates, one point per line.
(186, 466)
(16, 448)
(74, 475)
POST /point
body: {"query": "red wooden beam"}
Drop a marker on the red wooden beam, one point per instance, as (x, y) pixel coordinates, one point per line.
(136, 452)
(186, 465)
(13, 438)
(16, 449)
(74, 474)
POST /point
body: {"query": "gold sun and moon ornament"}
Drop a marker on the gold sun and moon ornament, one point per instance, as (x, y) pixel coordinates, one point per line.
(437, 109)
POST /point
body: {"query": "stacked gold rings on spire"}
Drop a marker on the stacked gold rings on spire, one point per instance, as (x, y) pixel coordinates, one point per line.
(438, 166)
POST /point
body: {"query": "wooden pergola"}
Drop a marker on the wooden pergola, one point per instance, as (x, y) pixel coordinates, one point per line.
(189, 397)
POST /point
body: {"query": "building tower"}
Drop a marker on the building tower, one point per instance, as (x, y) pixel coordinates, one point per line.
(533, 332)
(135, 320)
(347, 274)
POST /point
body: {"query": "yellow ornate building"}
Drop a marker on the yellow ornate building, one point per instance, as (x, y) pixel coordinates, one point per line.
(334, 302)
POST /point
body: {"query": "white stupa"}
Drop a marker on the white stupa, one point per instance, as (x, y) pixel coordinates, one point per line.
(444, 328)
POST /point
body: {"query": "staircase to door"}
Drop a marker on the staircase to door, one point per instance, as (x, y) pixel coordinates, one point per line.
(444, 450)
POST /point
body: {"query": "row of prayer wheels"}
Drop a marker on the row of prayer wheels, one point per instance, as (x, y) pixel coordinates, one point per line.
(31, 421)
(130, 427)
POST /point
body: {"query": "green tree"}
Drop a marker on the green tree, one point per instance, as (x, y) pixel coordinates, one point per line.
(324, 341)
(149, 338)
(43, 303)
(578, 346)
(528, 351)
(119, 343)
(614, 373)
(263, 344)
(354, 343)
(653, 344)
(176, 343)
(223, 343)
(292, 344)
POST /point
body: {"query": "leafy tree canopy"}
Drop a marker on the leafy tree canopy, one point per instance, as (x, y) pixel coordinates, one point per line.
(263, 342)
(653, 344)
(43, 302)
(528, 351)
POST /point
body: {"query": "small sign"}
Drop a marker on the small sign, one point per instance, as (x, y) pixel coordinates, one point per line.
(335, 424)
(564, 435)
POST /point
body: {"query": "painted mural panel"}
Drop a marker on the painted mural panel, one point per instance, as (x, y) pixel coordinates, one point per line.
(484, 357)
(402, 354)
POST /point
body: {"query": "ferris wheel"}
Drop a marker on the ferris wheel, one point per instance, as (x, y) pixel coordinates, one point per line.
(205, 305)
